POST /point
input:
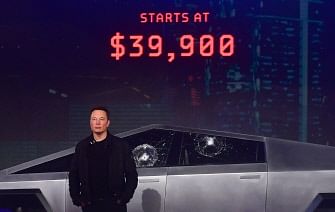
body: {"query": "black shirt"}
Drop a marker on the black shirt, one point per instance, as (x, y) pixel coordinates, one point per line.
(98, 169)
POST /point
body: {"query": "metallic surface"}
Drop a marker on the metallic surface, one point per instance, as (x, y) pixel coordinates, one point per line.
(216, 188)
(289, 180)
(294, 191)
(53, 191)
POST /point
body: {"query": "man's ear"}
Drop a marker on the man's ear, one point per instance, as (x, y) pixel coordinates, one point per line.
(108, 123)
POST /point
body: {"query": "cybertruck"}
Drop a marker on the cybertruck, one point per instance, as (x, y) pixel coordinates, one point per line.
(182, 169)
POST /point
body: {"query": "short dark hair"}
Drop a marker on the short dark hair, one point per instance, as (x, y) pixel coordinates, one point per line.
(100, 108)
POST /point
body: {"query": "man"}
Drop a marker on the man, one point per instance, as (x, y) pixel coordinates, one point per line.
(103, 174)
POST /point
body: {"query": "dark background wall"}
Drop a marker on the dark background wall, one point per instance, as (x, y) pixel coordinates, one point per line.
(55, 64)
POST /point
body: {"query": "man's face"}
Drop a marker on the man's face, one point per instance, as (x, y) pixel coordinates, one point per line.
(99, 122)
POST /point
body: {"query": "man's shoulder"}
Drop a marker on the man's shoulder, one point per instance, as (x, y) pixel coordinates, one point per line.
(115, 138)
(84, 141)
(117, 141)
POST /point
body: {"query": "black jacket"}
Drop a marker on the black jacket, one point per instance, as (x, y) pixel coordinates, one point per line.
(122, 174)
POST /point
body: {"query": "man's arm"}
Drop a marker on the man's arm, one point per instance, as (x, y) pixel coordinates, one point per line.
(130, 174)
(74, 182)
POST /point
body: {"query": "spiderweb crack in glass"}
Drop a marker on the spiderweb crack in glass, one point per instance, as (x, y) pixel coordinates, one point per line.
(209, 146)
(145, 155)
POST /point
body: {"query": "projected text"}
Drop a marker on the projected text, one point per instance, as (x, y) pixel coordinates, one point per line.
(153, 46)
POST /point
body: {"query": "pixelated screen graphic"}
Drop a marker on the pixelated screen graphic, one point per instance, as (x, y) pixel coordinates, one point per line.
(245, 66)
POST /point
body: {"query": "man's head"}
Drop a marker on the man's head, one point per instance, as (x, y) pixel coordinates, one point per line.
(99, 120)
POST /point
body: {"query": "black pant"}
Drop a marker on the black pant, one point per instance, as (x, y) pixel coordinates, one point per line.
(104, 206)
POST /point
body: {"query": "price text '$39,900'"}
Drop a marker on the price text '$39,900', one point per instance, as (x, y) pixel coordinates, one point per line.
(207, 46)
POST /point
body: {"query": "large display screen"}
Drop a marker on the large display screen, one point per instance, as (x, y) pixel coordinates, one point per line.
(261, 67)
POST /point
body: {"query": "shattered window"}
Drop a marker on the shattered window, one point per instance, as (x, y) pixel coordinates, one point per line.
(145, 155)
(202, 149)
(151, 148)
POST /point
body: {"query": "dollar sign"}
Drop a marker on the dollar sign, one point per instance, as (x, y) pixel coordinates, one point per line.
(119, 48)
